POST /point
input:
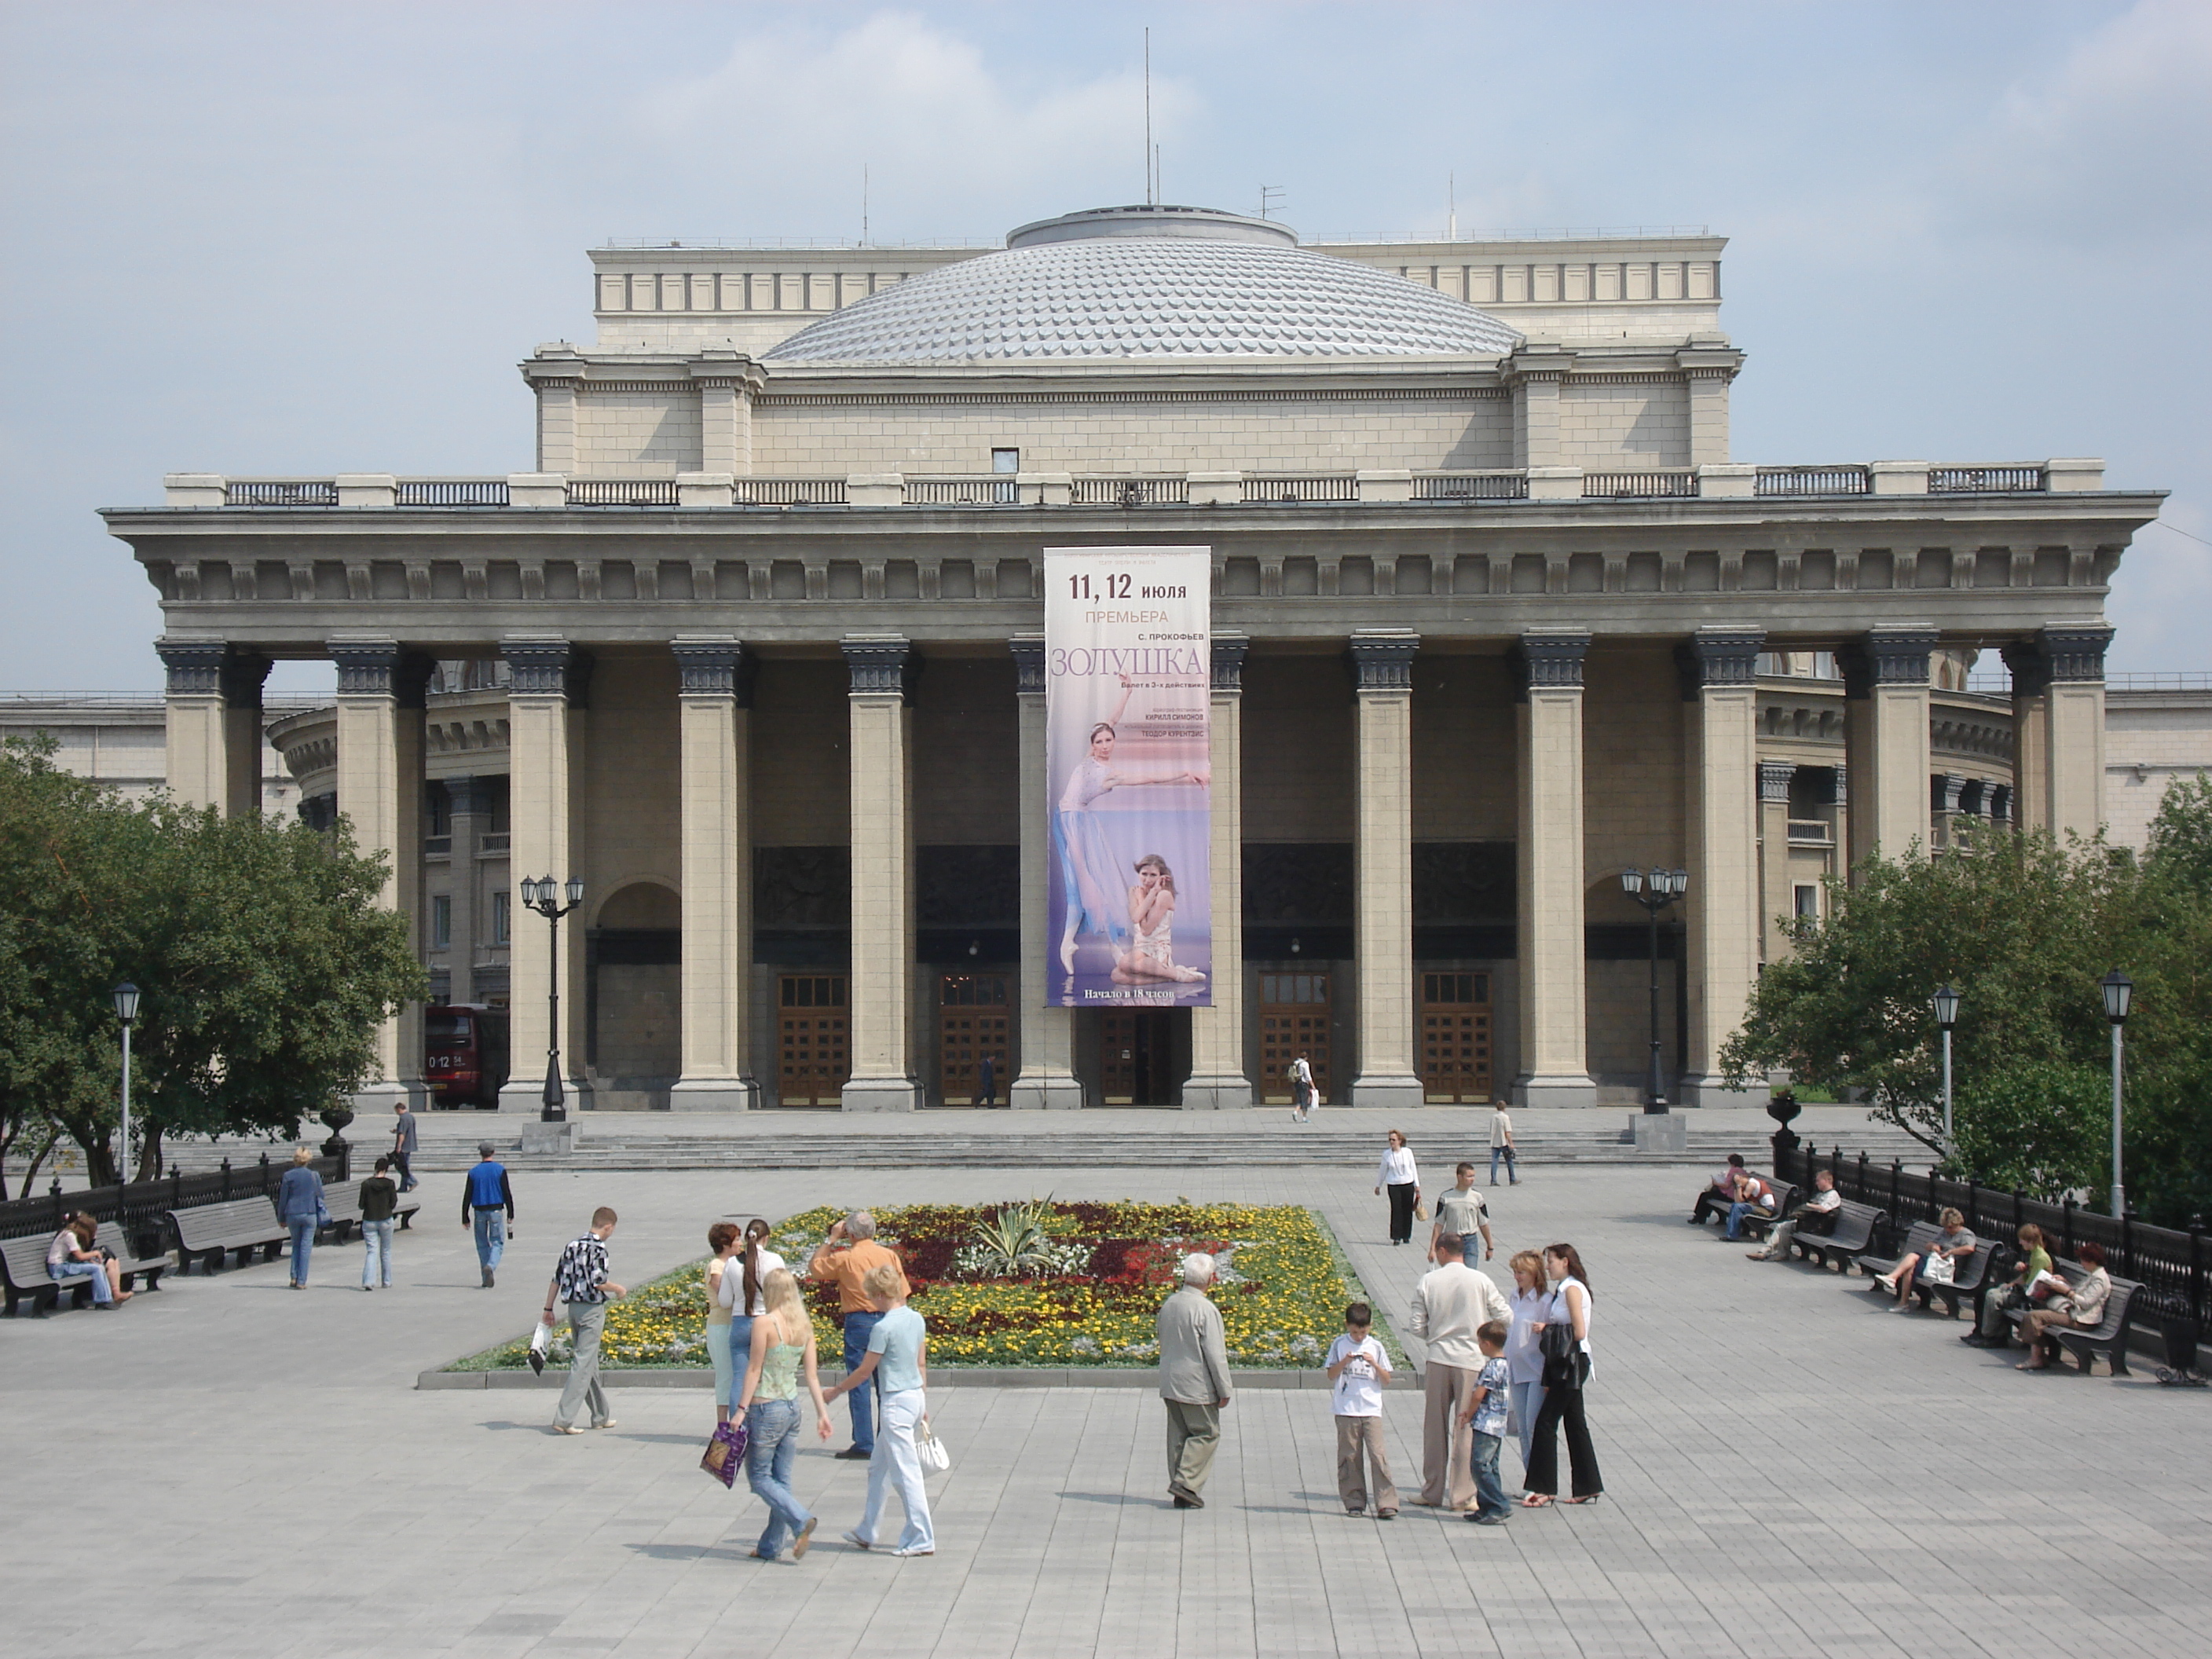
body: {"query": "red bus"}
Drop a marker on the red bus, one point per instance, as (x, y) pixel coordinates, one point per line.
(465, 1055)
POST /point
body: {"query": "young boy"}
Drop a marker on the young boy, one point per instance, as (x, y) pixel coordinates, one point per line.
(1359, 1370)
(1485, 1409)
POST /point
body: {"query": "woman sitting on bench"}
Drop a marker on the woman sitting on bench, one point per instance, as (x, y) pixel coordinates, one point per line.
(2080, 1308)
(1952, 1246)
(71, 1257)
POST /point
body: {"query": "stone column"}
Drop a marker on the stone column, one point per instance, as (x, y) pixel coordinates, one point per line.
(214, 724)
(2030, 732)
(1382, 903)
(726, 382)
(1535, 372)
(1720, 688)
(1709, 364)
(1047, 1078)
(2059, 715)
(548, 681)
(1946, 796)
(1776, 899)
(1554, 1038)
(714, 697)
(470, 811)
(882, 668)
(1886, 740)
(380, 787)
(1217, 1074)
(554, 374)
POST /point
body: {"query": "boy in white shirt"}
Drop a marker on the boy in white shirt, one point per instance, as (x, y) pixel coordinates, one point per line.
(1359, 1369)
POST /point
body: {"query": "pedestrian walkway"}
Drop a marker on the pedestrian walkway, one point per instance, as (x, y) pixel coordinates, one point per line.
(1788, 1471)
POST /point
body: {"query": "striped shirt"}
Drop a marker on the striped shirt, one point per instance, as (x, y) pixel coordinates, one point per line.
(583, 1270)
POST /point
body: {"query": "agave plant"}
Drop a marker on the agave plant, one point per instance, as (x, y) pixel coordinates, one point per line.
(1014, 1241)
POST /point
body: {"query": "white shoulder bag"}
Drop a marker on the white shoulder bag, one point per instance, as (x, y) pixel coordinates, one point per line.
(934, 1458)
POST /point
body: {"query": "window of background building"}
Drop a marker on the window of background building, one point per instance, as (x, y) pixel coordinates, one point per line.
(441, 921)
(1005, 460)
(501, 910)
(1809, 903)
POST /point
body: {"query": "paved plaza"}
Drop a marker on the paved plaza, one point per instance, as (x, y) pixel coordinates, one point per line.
(225, 1468)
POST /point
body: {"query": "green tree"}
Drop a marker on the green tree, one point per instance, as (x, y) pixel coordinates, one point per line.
(2037, 1126)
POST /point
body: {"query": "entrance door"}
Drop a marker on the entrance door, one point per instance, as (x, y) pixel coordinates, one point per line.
(1294, 1017)
(1456, 1037)
(811, 1060)
(1136, 1049)
(972, 1023)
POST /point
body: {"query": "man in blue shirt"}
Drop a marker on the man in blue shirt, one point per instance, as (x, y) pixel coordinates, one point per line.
(484, 1196)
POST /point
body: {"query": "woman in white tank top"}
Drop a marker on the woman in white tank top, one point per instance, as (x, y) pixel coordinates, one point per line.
(1572, 1304)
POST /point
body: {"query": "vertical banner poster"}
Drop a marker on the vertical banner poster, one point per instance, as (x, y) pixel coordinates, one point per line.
(1128, 773)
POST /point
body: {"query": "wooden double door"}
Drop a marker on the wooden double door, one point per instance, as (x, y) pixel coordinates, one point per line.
(974, 1034)
(1295, 1012)
(1456, 1038)
(1136, 1056)
(813, 1051)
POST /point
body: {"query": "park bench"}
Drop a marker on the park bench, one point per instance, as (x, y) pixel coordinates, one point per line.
(1990, 1265)
(2109, 1335)
(111, 1237)
(1851, 1233)
(1918, 1238)
(24, 1261)
(208, 1232)
(1788, 1194)
(343, 1199)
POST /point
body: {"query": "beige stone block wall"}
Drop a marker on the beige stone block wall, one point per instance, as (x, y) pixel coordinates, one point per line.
(1888, 745)
(967, 774)
(1298, 743)
(1383, 891)
(717, 887)
(632, 801)
(546, 739)
(1620, 1001)
(2153, 739)
(1723, 903)
(1220, 1072)
(882, 975)
(638, 435)
(2077, 755)
(1554, 1066)
(380, 784)
(801, 780)
(198, 750)
(1634, 760)
(1045, 1050)
(1610, 428)
(1463, 771)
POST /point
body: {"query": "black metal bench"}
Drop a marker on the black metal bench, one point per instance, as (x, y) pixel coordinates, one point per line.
(1788, 1196)
(1972, 1279)
(343, 1199)
(2109, 1335)
(24, 1262)
(208, 1232)
(1851, 1233)
(149, 1269)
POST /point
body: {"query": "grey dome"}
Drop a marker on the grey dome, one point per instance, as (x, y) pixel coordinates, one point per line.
(1123, 296)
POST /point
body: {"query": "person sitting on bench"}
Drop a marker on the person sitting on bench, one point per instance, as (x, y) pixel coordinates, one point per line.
(1818, 1211)
(1951, 1247)
(1755, 1200)
(1721, 1193)
(71, 1257)
(2034, 1260)
(2082, 1307)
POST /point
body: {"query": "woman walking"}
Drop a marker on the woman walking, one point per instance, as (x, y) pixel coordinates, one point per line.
(722, 1240)
(1530, 1301)
(1398, 1174)
(899, 1359)
(783, 1339)
(740, 1291)
(1564, 1380)
(300, 1209)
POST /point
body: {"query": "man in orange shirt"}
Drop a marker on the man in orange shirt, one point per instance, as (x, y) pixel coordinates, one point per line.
(844, 1259)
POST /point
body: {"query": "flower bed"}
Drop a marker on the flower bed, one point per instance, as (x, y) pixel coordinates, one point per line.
(1087, 1295)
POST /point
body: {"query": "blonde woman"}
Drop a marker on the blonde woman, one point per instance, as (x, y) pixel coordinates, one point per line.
(782, 1344)
(1152, 916)
(1531, 1303)
(899, 1359)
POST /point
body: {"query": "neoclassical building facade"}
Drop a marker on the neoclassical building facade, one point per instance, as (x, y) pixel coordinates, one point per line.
(754, 650)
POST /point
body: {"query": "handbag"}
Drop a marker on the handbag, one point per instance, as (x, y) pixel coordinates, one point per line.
(1565, 1364)
(1420, 1205)
(1939, 1270)
(724, 1451)
(930, 1448)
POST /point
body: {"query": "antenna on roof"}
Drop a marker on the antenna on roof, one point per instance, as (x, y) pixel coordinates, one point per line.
(1451, 207)
(1151, 155)
(1271, 197)
(864, 204)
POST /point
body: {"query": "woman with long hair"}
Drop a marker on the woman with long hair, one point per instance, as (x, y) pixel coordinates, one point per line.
(1530, 1301)
(1151, 913)
(1089, 869)
(782, 1345)
(1398, 1173)
(70, 1257)
(1564, 1380)
(722, 1240)
(748, 1270)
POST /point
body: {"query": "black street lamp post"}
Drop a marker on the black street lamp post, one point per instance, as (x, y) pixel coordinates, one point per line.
(2119, 993)
(544, 896)
(1654, 893)
(126, 1011)
(1946, 1001)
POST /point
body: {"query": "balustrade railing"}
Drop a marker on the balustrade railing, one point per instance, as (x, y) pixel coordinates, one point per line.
(139, 1207)
(1811, 832)
(961, 492)
(1471, 486)
(1637, 486)
(1814, 481)
(1984, 480)
(1302, 489)
(622, 492)
(450, 492)
(790, 492)
(1129, 492)
(281, 492)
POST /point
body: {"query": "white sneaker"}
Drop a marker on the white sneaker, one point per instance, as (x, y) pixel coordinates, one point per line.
(920, 1549)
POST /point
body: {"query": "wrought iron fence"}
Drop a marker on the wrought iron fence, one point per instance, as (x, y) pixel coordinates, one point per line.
(790, 492)
(1814, 481)
(1983, 480)
(622, 492)
(1130, 492)
(1630, 486)
(1472, 487)
(140, 1207)
(1309, 489)
(962, 492)
(2169, 1265)
(451, 492)
(281, 492)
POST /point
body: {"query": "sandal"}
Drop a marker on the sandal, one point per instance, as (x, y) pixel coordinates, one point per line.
(1536, 1500)
(1592, 1499)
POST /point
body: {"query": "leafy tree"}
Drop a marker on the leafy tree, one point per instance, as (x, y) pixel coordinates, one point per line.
(2039, 1125)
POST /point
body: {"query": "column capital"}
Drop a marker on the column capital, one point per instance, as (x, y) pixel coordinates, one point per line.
(1885, 656)
(1382, 658)
(1839, 786)
(1774, 778)
(1549, 660)
(2030, 668)
(882, 665)
(1028, 664)
(469, 795)
(1229, 651)
(544, 666)
(1717, 657)
(1536, 361)
(2075, 651)
(1947, 790)
(381, 668)
(195, 666)
(714, 666)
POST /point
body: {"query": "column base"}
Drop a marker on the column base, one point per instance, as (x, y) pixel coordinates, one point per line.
(880, 1094)
(713, 1094)
(523, 1096)
(1399, 1092)
(1046, 1092)
(1562, 1089)
(1712, 1089)
(1661, 1132)
(548, 1137)
(378, 1099)
(1217, 1094)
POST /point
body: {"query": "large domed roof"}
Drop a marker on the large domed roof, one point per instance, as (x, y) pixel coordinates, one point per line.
(1149, 283)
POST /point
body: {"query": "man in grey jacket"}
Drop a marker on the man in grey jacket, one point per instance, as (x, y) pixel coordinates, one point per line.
(1194, 1382)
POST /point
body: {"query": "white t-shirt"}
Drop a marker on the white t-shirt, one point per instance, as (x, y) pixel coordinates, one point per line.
(733, 1280)
(1501, 1129)
(1358, 1386)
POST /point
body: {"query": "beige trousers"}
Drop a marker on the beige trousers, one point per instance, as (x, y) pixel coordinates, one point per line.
(1193, 1433)
(1359, 1440)
(1448, 1448)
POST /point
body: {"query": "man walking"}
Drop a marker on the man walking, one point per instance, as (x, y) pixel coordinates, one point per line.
(1301, 1089)
(1194, 1382)
(1501, 1146)
(845, 1260)
(1451, 1306)
(488, 1206)
(402, 1145)
(580, 1280)
(1463, 1212)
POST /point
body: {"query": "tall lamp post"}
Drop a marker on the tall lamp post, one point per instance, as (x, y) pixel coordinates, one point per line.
(1946, 1016)
(544, 896)
(126, 1010)
(2119, 992)
(1654, 893)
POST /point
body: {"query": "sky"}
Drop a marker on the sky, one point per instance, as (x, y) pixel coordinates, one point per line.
(307, 238)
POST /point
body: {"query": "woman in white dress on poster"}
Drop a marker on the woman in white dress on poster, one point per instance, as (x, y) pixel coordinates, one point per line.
(1089, 872)
(1151, 915)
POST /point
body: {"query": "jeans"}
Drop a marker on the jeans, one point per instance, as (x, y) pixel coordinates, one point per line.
(859, 1327)
(1489, 1490)
(491, 1238)
(1512, 1170)
(1738, 1212)
(773, 1447)
(725, 1354)
(1527, 1402)
(102, 1291)
(407, 1182)
(587, 1323)
(894, 1463)
(303, 1247)
(376, 1253)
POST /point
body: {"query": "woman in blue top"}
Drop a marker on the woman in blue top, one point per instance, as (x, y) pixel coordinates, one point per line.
(899, 1359)
(300, 1208)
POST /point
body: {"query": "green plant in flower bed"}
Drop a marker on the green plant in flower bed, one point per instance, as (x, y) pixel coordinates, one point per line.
(1082, 1289)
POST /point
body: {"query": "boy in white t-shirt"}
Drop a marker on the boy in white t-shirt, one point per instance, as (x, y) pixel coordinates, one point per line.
(1360, 1369)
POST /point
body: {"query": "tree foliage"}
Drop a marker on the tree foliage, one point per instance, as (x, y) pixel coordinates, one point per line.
(265, 961)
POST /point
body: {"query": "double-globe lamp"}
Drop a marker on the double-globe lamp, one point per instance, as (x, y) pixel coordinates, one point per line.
(1946, 1001)
(126, 1011)
(543, 894)
(2119, 993)
(1654, 891)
